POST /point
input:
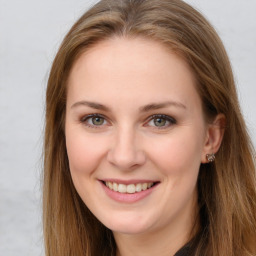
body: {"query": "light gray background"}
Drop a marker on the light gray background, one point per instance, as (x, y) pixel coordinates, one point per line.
(30, 33)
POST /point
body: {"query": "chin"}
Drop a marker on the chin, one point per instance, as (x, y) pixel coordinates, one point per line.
(128, 225)
(129, 229)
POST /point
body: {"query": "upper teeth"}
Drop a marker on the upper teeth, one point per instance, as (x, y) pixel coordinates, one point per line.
(131, 188)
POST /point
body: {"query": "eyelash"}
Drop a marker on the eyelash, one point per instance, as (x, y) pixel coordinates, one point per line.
(171, 120)
(86, 118)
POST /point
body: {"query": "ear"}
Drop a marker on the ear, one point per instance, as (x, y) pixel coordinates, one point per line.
(214, 136)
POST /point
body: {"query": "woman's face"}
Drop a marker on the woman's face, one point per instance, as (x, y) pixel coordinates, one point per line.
(135, 135)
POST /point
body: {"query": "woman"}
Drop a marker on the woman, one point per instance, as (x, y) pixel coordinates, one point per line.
(146, 150)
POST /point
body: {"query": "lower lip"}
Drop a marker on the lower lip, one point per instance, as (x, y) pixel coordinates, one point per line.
(126, 197)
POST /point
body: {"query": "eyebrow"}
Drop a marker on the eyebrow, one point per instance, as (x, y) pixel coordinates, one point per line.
(155, 106)
(91, 105)
(146, 108)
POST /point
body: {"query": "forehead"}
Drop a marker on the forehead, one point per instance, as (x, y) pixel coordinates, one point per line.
(136, 54)
(125, 67)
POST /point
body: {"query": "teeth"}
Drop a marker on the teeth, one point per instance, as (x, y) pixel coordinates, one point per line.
(130, 189)
(121, 188)
(115, 186)
(150, 185)
(110, 185)
(138, 187)
(144, 186)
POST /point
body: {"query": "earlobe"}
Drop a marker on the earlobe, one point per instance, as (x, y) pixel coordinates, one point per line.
(214, 136)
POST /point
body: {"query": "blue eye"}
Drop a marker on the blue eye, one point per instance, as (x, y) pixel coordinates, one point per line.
(161, 121)
(94, 120)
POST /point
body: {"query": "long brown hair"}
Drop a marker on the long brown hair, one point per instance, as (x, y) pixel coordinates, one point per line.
(227, 188)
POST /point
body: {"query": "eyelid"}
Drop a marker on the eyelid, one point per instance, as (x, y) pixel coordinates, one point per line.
(170, 119)
(85, 118)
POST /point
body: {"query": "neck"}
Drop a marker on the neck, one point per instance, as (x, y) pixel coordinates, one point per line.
(148, 245)
(165, 241)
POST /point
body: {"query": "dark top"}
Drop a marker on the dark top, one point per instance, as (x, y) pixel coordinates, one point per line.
(184, 251)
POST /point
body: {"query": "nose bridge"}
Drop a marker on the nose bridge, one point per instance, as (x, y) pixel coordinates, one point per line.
(126, 141)
(126, 151)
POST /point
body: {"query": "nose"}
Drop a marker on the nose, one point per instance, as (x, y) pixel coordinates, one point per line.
(126, 153)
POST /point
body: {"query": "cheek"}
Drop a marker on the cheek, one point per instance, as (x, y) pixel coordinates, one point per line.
(84, 152)
(179, 153)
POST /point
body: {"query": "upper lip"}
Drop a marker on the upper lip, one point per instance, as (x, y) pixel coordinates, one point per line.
(127, 182)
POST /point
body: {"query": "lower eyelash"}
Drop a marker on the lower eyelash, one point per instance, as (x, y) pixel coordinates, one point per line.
(84, 119)
(168, 118)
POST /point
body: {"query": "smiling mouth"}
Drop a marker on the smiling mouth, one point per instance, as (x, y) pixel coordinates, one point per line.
(130, 188)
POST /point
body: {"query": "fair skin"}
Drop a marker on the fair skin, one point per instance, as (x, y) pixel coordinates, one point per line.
(134, 117)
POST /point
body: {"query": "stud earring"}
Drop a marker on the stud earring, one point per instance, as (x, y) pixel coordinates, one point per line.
(210, 157)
